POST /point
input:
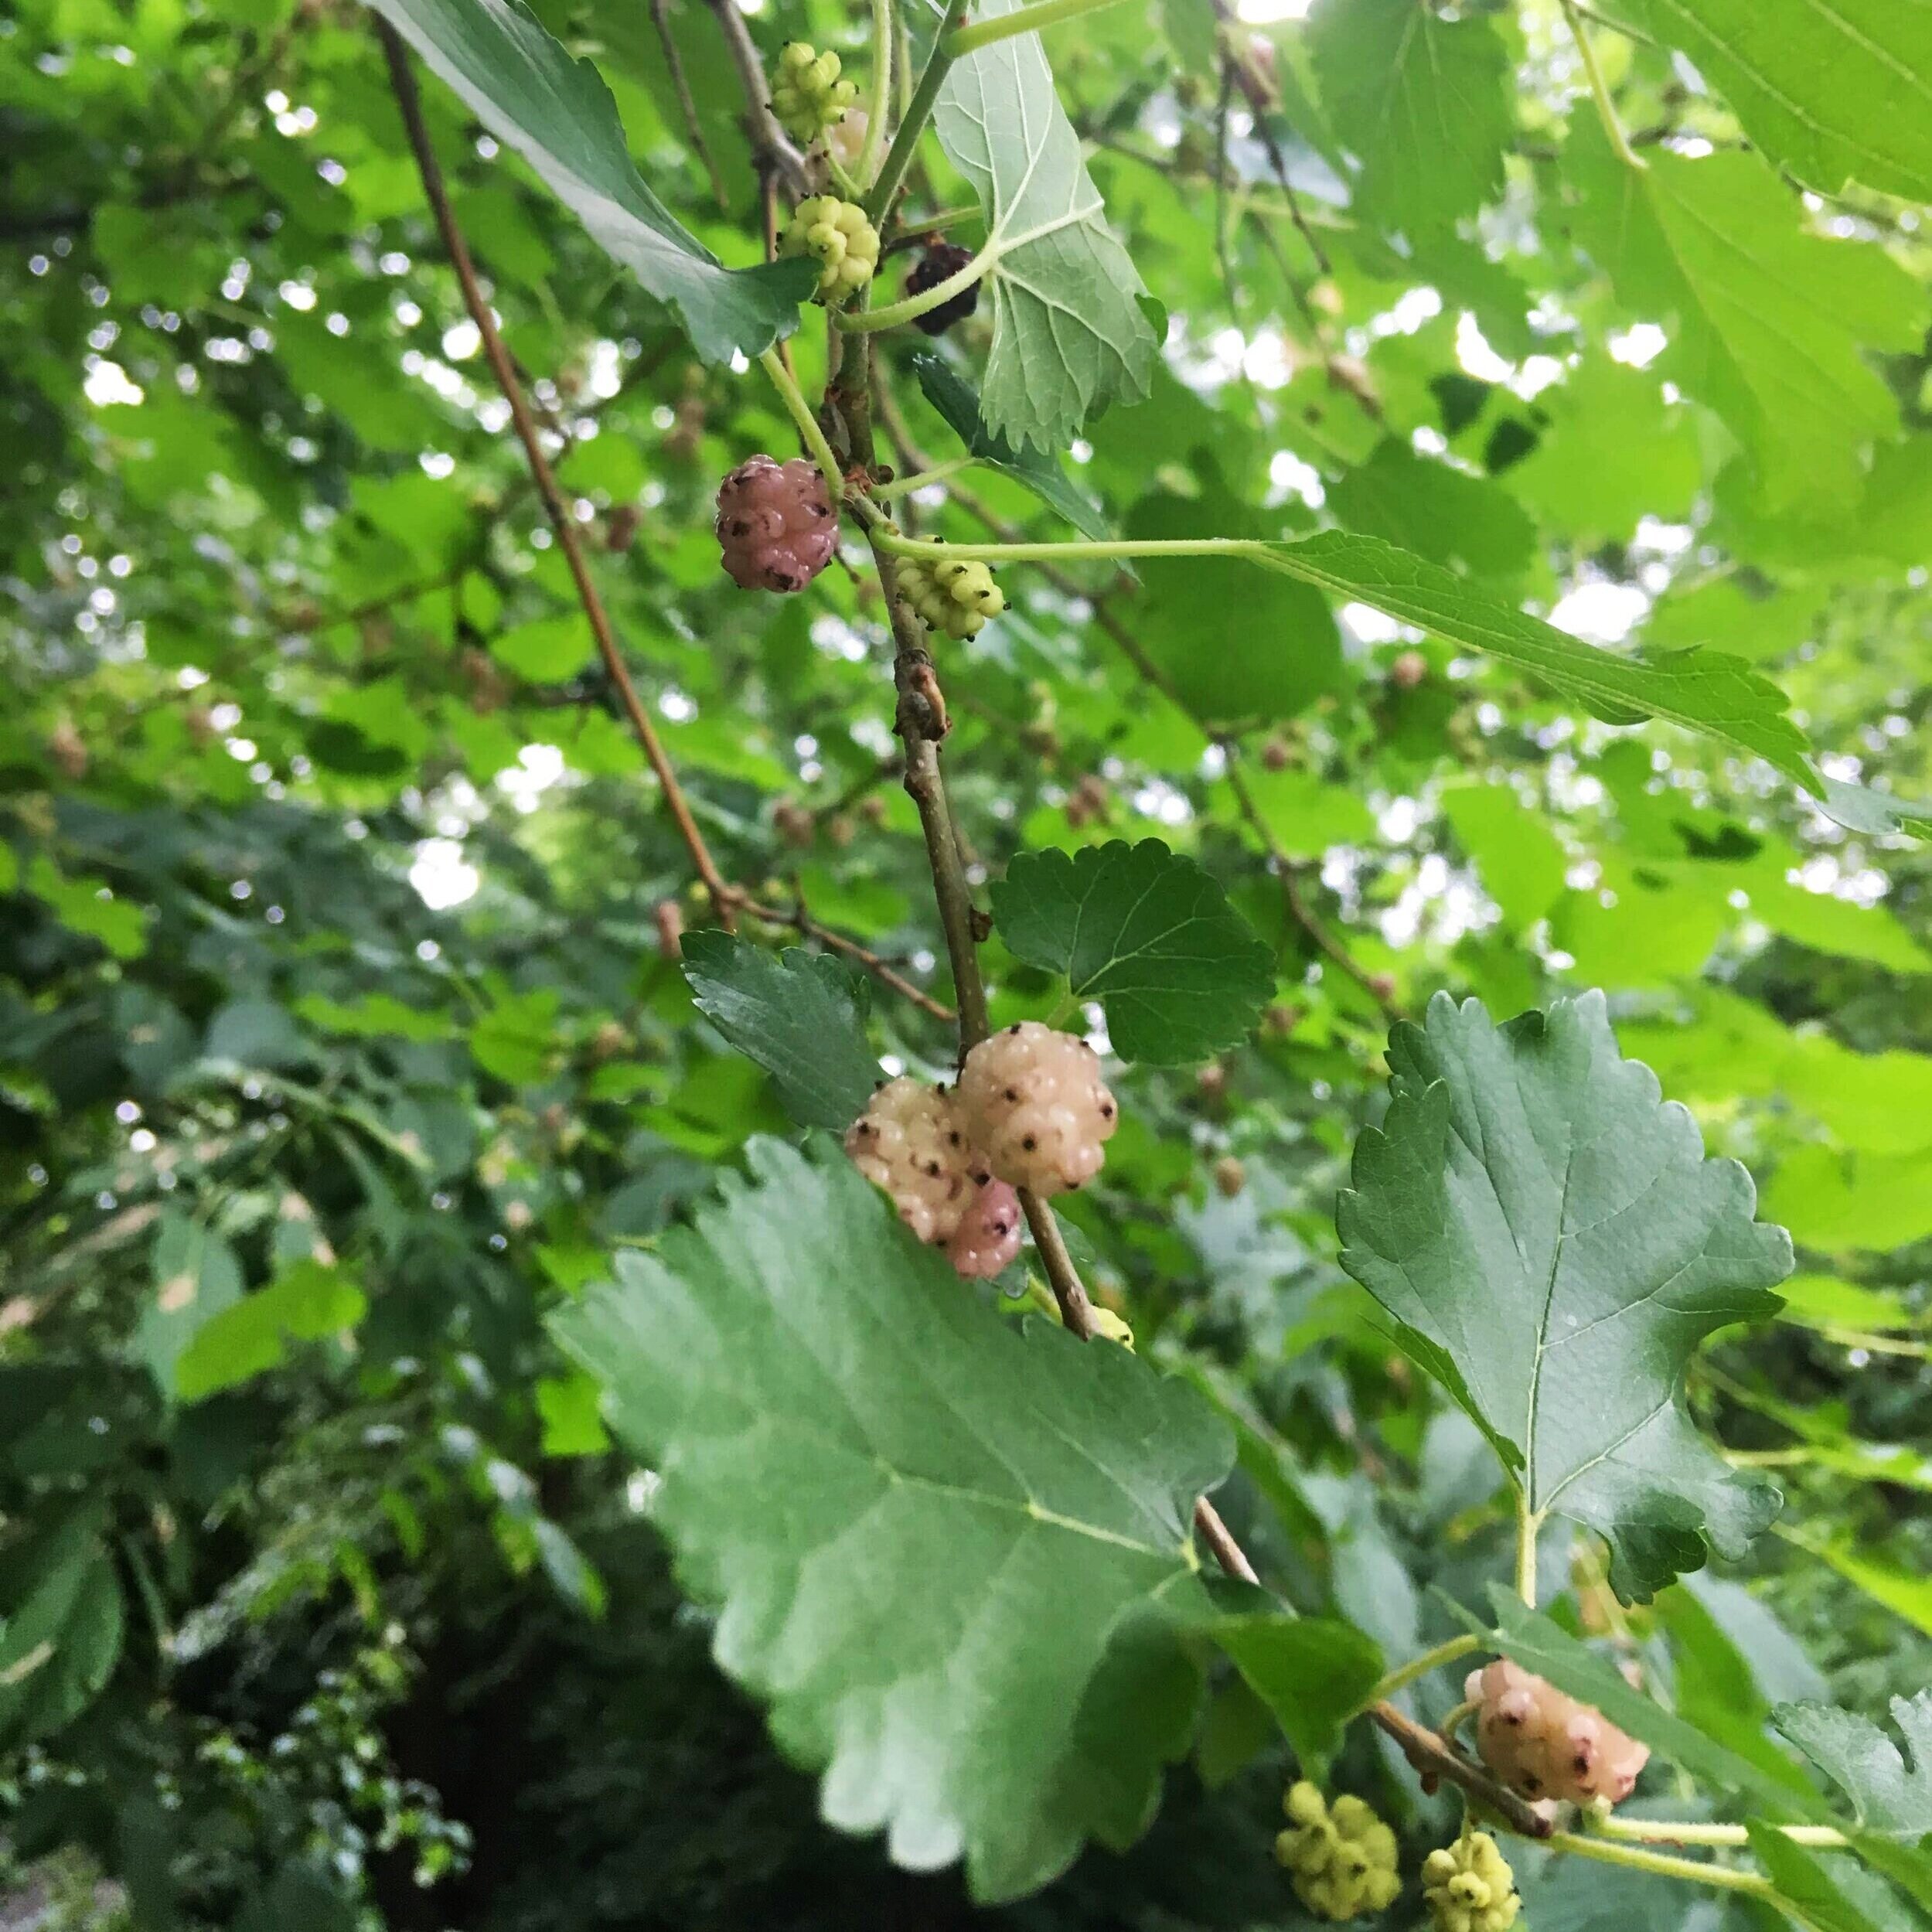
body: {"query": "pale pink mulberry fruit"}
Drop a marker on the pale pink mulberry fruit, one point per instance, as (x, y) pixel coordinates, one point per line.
(1033, 1099)
(909, 1142)
(988, 1235)
(1544, 1744)
(775, 523)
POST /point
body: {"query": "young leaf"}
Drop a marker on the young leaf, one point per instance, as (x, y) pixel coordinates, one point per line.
(1832, 92)
(1887, 1795)
(1147, 933)
(951, 395)
(1772, 320)
(558, 114)
(963, 1607)
(800, 1015)
(307, 1301)
(1068, 334)
(1426, 101)
(1555, 1244)
(1314, 1673)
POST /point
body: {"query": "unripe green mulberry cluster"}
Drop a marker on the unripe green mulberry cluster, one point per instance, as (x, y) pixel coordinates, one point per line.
(1341, 1856)
(951, 595)
(1470, 1887)
(808, 97)
(837, 236)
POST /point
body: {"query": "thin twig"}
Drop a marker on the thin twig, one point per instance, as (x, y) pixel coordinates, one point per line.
(769, 140)
(661, 20)
(1230, 23)
(1303, 915)
(409, 101)
(800, 921)
(1432, 1758)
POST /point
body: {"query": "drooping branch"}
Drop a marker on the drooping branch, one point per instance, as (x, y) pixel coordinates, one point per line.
(409, 100)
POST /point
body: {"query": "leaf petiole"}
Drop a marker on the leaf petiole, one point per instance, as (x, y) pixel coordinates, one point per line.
(905, 138)
(800, 411)
(879, 95)
(905, 485)
(1600, 88)
(861, 320)
(1529, 1522)
(1644, 1830)
(1406, 1674)
(1721, 1877)
(1030, 19)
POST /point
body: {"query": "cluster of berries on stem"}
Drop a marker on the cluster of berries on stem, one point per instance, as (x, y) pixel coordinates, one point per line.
(808, 97)
(951, 595)
(837, 236)
(1341, 1857)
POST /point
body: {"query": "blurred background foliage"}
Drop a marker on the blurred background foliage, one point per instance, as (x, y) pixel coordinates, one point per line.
(341, 1034)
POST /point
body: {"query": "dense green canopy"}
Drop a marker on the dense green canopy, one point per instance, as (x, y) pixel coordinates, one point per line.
(473, 1450)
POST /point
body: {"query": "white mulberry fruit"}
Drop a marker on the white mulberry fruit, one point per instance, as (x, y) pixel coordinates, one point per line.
(1033, 1099)
(1342, 1858)
(909, 1142)
(988, 1235)
(775, 523)
(1469, 1887)
(1544, 1744)
(837, 236)
(808, 97)
(951, 595)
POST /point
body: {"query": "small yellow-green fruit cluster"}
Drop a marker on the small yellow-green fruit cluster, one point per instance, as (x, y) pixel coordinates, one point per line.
(1470, 1887)
(807, 96)
(837, 236)
(1342, 1857)
(951, 595)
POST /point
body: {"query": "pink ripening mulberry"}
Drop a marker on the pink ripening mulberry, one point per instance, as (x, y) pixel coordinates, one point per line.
(775, 523)
(1544, 1744)
(1034, 1099)
(988, 1235)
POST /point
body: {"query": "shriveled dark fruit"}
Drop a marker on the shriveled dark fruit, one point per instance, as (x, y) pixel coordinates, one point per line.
(942, 259)
(775, 523)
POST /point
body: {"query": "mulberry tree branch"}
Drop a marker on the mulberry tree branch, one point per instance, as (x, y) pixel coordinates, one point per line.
(403, 82)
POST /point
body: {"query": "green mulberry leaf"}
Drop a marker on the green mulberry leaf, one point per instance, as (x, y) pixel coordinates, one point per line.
(1888, 1795)
(1068, 333)
(1771, 321)
(955, 1557)
(1554, 1244)
(1833, 93)
(1425, 100)
(800, 1015)
(558, 114)
(1148, 934)
(952, 395)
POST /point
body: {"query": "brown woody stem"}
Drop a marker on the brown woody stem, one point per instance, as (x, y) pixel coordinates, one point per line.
(409, 101)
